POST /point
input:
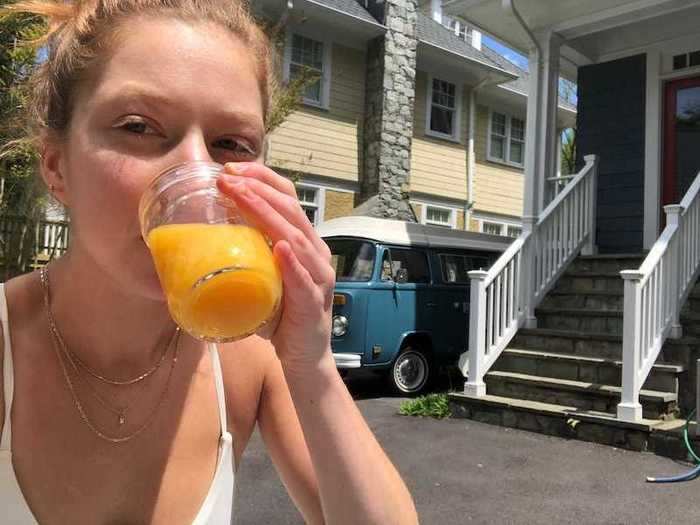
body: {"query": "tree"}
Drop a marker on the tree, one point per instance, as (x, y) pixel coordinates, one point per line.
(568, 152)
(22, 197)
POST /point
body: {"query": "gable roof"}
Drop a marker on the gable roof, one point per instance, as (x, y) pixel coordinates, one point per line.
(434, 33)
(350, 7)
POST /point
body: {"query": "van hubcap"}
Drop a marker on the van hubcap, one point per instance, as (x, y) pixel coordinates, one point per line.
(410, 371)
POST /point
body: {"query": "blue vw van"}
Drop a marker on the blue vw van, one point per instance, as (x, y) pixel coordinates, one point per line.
(401, 301)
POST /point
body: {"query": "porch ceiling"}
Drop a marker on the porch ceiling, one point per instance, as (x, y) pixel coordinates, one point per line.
(590, 28)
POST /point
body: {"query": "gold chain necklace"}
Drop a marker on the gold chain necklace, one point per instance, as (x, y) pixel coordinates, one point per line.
(44, 275)
(76, 400)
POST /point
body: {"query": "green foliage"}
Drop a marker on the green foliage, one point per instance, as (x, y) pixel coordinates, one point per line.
(568, 152)
(431, 405)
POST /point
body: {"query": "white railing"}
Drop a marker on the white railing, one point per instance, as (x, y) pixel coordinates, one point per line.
(654, 296)
(555, 185)
(504, 298)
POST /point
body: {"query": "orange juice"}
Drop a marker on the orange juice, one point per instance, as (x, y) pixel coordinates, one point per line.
(221, 280)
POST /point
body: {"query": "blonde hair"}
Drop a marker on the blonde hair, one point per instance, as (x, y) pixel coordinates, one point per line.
(81, 32)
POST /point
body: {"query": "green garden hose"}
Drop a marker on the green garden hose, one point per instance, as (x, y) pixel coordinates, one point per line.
(692, 474)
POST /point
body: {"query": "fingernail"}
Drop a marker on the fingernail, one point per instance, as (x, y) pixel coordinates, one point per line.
(233, 180)
(238, 168)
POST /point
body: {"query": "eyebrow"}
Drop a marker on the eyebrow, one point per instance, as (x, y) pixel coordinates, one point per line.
(246, 119)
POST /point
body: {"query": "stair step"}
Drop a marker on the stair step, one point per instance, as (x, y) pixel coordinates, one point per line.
(662, 377)
(579, 394)
(585, 282)
(582, 319)
(595, 299)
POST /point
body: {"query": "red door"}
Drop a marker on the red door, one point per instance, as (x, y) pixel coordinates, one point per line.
(681, 138)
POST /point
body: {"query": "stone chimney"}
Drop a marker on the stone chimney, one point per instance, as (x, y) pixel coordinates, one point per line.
(389, 106)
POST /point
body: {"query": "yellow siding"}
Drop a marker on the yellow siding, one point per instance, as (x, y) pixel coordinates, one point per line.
(460, 220)
(497, 188)
(438, 167)
(327, 142)
(338, 204)
(417, 209)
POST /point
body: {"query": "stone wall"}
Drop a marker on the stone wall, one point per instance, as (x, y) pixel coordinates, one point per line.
(389, 105)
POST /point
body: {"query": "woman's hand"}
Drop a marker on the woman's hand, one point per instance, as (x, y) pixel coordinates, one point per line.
(269, 201)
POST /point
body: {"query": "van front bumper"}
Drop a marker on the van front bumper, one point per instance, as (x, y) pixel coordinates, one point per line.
(347, 360)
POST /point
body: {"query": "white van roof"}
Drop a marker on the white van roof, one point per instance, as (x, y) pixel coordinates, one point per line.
(410, 234)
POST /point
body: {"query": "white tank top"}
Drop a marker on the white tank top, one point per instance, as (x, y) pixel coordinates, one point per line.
(217, 507)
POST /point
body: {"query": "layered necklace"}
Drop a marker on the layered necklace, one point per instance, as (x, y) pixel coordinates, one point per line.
(69, 360)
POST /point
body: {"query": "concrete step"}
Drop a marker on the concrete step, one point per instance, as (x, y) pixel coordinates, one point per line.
(590, 281)
(594, 299)
(650, 435)
(579, 394)
(662, 377)
(606, 263)
(590, 344)
(580, 319)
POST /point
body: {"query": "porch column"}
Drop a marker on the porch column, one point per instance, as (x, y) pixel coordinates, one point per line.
(541, 132)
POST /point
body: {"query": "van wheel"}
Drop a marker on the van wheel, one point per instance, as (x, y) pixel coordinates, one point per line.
(410, 372)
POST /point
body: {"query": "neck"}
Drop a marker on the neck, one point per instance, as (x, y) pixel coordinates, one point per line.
(111, 329)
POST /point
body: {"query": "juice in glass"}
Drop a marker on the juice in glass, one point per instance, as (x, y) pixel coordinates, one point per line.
(218, 273)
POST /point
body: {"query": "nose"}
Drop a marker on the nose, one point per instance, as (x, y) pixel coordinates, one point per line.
(192, 147)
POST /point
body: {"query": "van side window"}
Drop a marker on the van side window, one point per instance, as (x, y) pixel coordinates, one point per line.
(414, 262)
(456, 268)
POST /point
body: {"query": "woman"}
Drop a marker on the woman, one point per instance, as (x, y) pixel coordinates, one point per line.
(111, 415)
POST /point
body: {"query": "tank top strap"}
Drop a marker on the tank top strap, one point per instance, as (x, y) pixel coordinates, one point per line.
(7, 371)
(219, 382)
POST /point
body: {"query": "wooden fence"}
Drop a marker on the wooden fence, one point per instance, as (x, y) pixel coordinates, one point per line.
(26, 243)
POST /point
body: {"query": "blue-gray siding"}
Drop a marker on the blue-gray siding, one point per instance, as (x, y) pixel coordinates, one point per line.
(610, 123)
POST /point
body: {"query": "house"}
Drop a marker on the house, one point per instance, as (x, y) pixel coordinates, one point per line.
(412, 116)
(586, 326)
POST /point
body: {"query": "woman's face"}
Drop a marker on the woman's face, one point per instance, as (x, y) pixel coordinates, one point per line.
(171, 92)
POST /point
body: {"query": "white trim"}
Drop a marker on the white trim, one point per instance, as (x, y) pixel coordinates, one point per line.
(326, 73)
(424, 215)
(455, 137)
(507, 139)
(319, 201)
(653, 147)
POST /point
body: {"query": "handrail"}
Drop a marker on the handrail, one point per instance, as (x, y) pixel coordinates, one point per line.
(654, 296)
(503, 299)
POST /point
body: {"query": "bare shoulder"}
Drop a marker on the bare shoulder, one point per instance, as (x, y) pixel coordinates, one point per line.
(18, 291)
(245, 365)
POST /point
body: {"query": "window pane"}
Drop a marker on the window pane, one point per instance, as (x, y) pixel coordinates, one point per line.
(492, 228)
(310, 213)
(415, 263)
(443, 93)
(516, 152)
(306, 195)
(438, 215)
(498, 124)
(497, 147)
(454, 269)
(514, 231)
(517, 129)
(313, 91)
(352, 260)
(441, 120)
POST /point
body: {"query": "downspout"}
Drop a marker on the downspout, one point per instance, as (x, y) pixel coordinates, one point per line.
(471, 160)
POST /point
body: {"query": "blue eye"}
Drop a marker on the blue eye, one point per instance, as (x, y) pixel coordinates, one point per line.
(236, 146)
(135, 127)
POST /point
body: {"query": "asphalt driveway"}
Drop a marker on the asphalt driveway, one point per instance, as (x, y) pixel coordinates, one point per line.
(461, 471)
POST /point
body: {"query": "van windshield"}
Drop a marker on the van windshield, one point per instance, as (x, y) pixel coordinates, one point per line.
(352, 260)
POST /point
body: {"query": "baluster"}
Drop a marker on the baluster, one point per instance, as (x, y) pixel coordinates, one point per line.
(497, 308)
(511, 288)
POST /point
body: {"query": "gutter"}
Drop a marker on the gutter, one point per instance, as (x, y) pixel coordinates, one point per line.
(471, 162)
(493, 67)
(344, 13)
(509, 6)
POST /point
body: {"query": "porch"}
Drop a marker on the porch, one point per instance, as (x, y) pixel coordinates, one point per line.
(637, 191)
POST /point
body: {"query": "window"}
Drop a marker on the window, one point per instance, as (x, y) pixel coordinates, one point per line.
(456, 268)
(442, 117)
(492, 228)
(438, 216)
(414, 262)
(460, 29)
(495, 227)
(506, 139)
(309, 54)
(308, 198)
(352, 260)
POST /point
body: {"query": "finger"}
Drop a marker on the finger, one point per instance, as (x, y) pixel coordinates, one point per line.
(296, 278)
(277, 228)
(285, 205)
(263, 174)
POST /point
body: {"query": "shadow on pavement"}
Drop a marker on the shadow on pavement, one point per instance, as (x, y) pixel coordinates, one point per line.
(365, 384)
